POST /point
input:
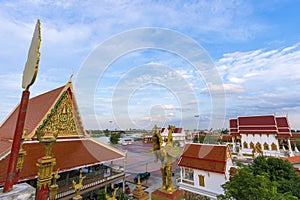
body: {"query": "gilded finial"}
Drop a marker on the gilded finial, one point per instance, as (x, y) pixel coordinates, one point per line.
(70, 79)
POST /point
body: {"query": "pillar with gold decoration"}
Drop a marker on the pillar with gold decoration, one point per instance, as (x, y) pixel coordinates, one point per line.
(45, 166)
(54, 186)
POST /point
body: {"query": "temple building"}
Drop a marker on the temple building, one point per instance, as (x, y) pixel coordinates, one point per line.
(204, 168)
(76, 154)
(267, 135)
(178, 135)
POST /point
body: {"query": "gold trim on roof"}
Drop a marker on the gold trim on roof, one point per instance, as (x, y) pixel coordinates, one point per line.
(61, 119)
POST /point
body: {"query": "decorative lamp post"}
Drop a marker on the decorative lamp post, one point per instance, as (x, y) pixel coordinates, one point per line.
(29, 76)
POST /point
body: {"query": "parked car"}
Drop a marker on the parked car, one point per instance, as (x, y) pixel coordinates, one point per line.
(143, 176)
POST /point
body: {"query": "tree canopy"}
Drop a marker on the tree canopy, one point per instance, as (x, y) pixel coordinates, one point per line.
(114, 138)
(270, 178)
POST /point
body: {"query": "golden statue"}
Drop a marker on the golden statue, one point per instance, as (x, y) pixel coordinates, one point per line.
(77, 187)
(113, 196)
(167, 154)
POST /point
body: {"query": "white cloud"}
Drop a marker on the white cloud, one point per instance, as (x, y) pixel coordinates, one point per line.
(227, 88)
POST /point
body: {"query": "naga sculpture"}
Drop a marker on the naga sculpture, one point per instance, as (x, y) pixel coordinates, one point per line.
(167, 154)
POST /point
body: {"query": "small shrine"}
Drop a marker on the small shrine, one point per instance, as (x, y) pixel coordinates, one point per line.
(139, 193)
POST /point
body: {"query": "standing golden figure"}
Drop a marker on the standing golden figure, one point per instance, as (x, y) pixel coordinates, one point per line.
(167, 154)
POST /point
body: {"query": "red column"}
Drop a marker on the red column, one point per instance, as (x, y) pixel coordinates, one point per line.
(42, 193)
(13, 159)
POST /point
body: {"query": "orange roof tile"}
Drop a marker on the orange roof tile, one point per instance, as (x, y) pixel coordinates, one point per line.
(37, 109)
(205, 157)
(69, 154)
(293, 159)
(5, 147)
(296, 135)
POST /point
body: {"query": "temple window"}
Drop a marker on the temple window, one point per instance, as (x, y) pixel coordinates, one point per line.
(188, 174)
(258, 147)
(201, 180)
(245, 145)
(274, 147)
(266, 146)
(251, 145)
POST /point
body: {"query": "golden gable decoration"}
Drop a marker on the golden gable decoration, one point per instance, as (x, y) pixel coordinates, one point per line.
(61, 119)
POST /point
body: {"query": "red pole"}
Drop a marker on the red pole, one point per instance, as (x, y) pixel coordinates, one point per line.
(13, 159)
(42, 193)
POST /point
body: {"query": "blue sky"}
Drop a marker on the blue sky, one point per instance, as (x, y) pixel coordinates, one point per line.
(253, 47)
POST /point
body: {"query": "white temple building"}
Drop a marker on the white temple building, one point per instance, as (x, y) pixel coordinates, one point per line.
(267, 135)
(204, 168)
(178, 135)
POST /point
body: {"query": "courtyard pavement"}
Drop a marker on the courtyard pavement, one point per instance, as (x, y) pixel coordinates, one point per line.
(140, 158)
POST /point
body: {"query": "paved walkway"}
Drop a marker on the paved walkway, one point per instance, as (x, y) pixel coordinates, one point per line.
(140, 158)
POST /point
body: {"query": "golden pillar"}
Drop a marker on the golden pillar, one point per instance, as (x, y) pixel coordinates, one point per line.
(45, 168)
(54, 186)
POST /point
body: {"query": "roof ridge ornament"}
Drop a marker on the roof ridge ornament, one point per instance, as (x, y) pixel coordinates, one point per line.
(70, 79)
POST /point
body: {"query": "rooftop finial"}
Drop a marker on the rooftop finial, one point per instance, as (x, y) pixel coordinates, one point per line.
(70, 79)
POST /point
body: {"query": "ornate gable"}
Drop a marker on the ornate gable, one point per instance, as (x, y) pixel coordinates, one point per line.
(62, 118)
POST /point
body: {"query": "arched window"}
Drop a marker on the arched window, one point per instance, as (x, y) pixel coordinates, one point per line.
(251, 145)
(258, 147)
(266, 146)
(245, 144)
(274, 147)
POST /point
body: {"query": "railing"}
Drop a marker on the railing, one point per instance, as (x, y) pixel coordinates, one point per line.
(90, 181)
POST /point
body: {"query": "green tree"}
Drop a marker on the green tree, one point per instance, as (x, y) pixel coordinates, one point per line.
(280, 171)
(225, 131)
(114, 138)
(270, 178)
(101, 194)
(106, 132)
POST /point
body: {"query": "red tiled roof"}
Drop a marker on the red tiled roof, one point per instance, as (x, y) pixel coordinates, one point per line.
(4, 147)
(265, 120)
(293, 159)
(283, 126)
(296, 135)
(69, 154)
(204, 157)
(176, 130)
(233, 127)
(226, 137)
(268, 124)
(37, 109)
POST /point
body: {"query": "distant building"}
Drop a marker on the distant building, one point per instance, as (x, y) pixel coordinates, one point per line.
(178, 135)
(204, 168)
(267, 135)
